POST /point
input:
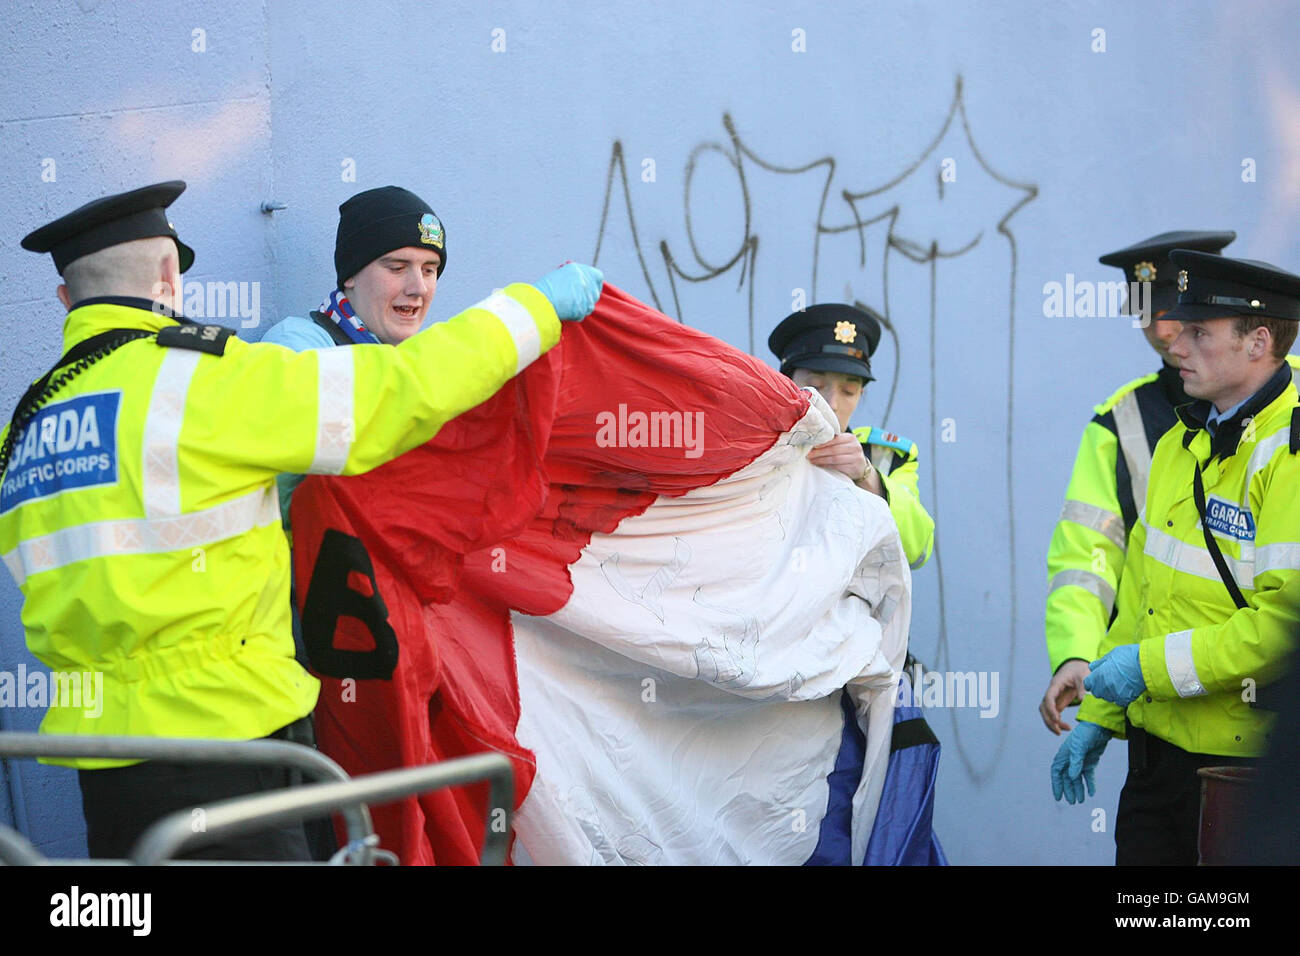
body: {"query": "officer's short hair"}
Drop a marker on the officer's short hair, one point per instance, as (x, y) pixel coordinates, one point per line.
(126, 266)
(1283, 331)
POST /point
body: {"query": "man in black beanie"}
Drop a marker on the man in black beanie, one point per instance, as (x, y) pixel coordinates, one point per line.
(389, 253)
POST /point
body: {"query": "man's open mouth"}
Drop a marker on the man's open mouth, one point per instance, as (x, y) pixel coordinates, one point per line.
(406, 311)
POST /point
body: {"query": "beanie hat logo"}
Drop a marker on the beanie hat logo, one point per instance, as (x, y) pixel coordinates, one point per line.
(430, 230)
(377, 221)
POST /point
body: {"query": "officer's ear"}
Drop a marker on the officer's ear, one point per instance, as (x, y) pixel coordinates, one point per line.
(168, 285)
(1261, 342)
(62, 293)
(171, 269)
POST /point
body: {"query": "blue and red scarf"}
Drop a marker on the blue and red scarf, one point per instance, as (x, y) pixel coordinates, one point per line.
(339, 310)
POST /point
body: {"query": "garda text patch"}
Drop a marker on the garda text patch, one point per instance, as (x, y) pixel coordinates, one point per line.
(1227, 517)
(69, 444)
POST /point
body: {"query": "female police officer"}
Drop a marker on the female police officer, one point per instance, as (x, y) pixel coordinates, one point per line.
(828, 348)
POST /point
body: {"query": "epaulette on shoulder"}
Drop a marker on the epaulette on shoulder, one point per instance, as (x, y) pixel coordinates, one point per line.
(201, 338)
(1123, 390)
(1294, 361)
(1295, 429)
(868, 435)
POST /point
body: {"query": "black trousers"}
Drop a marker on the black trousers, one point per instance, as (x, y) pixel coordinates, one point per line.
(120, 803)
(1159, 815)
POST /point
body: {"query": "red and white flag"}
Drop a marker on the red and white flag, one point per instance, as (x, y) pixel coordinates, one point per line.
(622, 573)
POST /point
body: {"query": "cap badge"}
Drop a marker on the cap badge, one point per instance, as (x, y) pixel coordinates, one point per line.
(1145, 272)
(1182, 280)
(845, 331)
(430, 230)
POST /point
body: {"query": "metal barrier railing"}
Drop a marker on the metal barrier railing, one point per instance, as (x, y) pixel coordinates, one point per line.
(338, 793)
(173, 833)
(311, 763)
(17, 850)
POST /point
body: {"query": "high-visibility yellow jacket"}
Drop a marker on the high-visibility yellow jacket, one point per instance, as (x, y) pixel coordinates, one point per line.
(1107, 488)
(1202, 658)
(138, 513)
(895, 458)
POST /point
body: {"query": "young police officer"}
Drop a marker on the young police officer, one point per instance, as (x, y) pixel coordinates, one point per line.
(828, 348)
(138, 512)
(1210, 597)
(1108, 483)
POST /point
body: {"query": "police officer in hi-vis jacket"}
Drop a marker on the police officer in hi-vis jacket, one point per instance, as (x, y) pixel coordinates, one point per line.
(1108, 482)
(1209, 601)
(828, 348)
(155, 439)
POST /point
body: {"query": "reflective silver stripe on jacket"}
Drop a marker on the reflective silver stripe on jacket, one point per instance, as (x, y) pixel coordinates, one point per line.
(102, 539)
(1133, 444)
(1262, 454)
(882, 458)
(1180, 666)
(1284, 556)
(163, 528)
(1096, 518)
(1092, 583)
(335, 410)
(1195, 559)
(160, 464)
(519, 323)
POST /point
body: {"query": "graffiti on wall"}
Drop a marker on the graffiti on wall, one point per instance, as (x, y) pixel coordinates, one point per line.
(791, 234)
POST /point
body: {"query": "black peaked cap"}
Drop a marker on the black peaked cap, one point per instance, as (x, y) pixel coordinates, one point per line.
(109, 221)
(831, 337)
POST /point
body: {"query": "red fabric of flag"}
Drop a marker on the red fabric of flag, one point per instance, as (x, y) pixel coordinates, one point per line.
(406, 576)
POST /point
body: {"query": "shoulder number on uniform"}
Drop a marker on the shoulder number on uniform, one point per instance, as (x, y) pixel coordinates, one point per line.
(200, 338)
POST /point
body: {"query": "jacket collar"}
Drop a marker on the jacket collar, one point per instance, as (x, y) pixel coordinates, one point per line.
(1223, 444)
(101, 313)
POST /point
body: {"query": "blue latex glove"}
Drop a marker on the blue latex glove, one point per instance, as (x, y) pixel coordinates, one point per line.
(1076, 761)
(573, 290)
(1117, 677)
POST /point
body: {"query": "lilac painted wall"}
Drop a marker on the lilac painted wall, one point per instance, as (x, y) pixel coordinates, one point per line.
(722, 160)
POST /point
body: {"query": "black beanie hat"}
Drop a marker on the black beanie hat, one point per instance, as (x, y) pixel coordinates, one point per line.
(380, 220)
